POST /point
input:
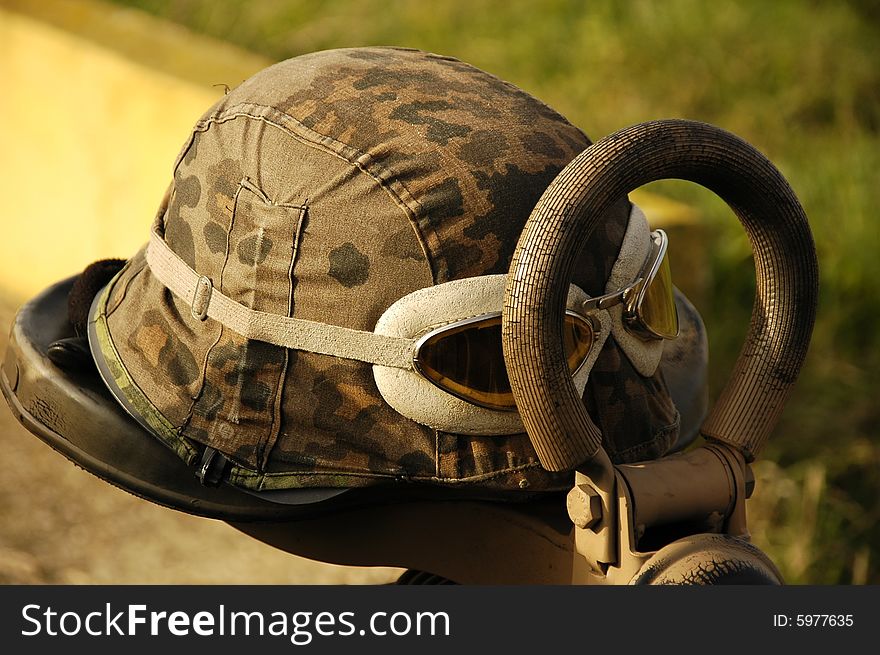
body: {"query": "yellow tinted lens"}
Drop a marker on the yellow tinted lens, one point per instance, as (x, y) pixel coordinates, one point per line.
(657, 311)
(578, 336)
(468, 361)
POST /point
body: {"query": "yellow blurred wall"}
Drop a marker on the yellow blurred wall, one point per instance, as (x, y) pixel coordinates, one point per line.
(89, 130)
(97, 101)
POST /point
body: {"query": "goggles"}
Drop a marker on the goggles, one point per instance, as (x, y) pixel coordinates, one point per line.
(436, 353)
(465, 358)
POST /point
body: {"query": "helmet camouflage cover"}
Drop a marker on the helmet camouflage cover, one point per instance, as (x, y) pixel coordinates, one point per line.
(327, 187)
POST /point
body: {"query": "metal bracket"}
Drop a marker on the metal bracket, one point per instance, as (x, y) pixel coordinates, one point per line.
(704, 487)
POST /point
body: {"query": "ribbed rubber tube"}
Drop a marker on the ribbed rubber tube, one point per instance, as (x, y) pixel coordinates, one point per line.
(786, 269)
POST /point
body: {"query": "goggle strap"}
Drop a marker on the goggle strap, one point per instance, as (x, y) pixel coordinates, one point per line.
(609, 299)
(207, 301)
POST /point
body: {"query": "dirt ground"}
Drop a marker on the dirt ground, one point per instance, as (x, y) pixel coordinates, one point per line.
(61, 525)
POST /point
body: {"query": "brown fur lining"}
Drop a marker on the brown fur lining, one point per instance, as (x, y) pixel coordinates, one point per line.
(85, 287)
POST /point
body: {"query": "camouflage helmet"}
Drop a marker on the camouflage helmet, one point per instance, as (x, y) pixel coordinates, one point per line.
(326, 189)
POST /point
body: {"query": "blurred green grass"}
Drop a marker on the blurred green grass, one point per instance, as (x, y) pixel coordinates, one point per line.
(798, 79)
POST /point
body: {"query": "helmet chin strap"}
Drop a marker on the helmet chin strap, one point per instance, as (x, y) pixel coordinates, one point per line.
(206, 301)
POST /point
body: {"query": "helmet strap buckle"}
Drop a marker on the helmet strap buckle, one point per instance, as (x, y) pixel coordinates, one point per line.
(201, 298)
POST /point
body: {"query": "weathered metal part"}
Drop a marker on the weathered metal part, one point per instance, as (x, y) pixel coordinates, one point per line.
(562, 432)
(691, 486)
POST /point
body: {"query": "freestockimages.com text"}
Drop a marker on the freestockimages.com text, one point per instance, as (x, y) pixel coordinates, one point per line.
(301, 627)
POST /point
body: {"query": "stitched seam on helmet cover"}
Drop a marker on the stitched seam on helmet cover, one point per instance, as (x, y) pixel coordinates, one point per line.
(159, 226)
(128, 280)
(219, 287)
(500, 473)
(261, 440)
(162, 427)
(250, 479)
(265, 450)
(234, 418)
(361, 160)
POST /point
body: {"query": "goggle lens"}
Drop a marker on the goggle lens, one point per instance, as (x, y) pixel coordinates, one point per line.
(468, 361)
(466, 358)
(657, 311)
